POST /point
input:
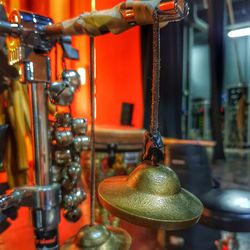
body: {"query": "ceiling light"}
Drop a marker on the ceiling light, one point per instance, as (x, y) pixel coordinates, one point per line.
(239, 32)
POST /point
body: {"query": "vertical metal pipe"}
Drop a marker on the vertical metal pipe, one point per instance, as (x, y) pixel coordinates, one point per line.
(93, 108)
(92, 144)
(40, 134)
(45, 218)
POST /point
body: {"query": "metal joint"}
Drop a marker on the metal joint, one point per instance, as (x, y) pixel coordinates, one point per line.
(35, 197)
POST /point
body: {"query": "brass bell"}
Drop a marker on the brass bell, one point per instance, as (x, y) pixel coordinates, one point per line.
(79, 126)
(74, 170)
(80, 195)
(55, 173)
(64, 138)
(74, 198)
(69, 201)
(61, 93)
(81, 143)
(72, 215)
(150, 196)
(63, 120)
(68, 184)
(99, 237)
(62, 156)
(72, 77)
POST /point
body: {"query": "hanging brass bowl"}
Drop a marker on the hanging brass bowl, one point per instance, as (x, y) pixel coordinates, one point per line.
(150, 196)
(99, 237)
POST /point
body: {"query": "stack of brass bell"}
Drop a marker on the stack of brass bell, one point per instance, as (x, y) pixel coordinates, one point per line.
(68, 140)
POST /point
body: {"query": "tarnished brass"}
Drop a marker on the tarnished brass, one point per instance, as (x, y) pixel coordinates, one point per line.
(99, 237)
(151, 196)
(73, 215)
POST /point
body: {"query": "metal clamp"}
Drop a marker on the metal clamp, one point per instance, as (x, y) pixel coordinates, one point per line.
(35, 197)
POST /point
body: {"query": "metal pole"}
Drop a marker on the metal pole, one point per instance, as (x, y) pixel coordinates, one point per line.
(40, 135)
(92, 142)
(45, 217)
(93, 109)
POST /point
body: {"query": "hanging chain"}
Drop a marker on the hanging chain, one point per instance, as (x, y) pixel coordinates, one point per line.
(155, 76)
(153, 145)
(92, 143)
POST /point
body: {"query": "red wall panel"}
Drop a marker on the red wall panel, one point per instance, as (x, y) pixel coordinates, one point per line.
(119, 77)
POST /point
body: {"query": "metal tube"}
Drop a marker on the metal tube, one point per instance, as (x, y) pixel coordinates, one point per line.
(40, 134)
(92, 144)
(45, 220)
(12, 200)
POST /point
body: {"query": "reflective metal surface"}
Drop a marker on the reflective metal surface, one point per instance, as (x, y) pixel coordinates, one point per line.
(61, 93)
(98, 237)
(150, 196)
(79, 126)
(81, 143)
(64, 138)
(74, 170)
(72, 77)
(227, 209)
(62, 156)
(40, 134)
(73, 199)
(228, 200)
(73, 215)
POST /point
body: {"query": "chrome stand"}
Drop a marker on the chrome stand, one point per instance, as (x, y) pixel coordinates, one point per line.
(46, 217)
(44, 197)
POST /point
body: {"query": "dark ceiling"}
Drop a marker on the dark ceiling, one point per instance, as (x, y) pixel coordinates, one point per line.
(241, 9)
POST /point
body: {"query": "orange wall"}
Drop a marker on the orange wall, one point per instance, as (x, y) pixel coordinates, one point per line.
(118, 73)
(118, 62)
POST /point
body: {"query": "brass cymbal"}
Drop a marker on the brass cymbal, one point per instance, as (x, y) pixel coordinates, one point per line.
(151, 196)
(99, 237)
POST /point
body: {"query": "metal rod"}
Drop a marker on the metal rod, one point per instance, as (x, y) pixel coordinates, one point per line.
(45, 219)
(92, 142)
(11, 200)
(40, 135)
(156, 76)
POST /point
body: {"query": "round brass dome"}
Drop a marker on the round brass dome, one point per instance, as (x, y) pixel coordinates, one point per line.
(99, 237)
(151, 196)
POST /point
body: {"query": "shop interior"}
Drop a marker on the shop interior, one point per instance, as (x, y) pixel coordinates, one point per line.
(124, 125)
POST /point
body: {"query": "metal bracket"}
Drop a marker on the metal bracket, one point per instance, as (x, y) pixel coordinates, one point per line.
(35, 197)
